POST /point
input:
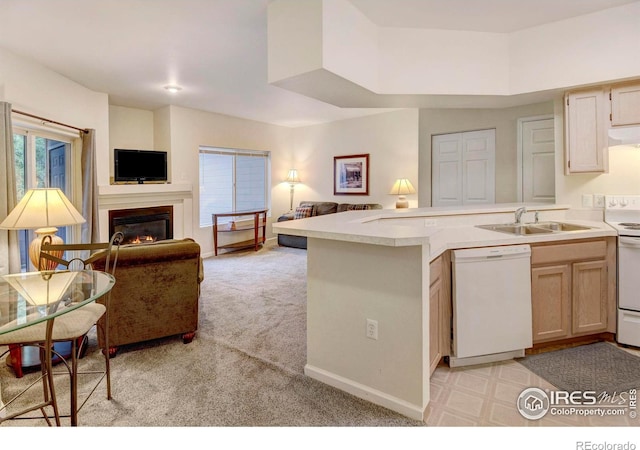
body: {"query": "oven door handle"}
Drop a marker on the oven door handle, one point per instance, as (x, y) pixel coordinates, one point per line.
(627, 241)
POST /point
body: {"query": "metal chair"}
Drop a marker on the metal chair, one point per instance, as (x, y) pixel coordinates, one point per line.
(72, 326)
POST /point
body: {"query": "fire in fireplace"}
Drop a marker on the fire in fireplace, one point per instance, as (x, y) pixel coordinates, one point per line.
(142, 225)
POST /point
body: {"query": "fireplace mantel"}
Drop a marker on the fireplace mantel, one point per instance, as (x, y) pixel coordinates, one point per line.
(120, 196)
(117, 194)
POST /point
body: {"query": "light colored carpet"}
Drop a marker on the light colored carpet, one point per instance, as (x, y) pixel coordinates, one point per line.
(244, 368)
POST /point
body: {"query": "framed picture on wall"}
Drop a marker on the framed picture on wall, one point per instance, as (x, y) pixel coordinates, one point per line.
(351, 175)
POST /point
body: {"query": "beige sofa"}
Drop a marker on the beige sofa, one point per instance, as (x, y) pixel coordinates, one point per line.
(156, 292)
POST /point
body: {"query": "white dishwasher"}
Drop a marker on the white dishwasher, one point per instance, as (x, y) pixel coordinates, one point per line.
(491, 304)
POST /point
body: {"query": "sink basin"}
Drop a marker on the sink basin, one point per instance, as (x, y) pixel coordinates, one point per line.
(561, 226)
(533, 228)
(515, 229)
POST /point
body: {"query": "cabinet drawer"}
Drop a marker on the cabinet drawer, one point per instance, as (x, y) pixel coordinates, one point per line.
(578, 251)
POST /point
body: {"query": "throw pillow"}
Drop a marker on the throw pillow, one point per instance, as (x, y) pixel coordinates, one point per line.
(303, 212)
(359, 207)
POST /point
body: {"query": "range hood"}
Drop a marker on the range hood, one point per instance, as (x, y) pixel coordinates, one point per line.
(624, 136)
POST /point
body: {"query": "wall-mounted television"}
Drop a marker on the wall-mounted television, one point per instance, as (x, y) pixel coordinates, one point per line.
(139, 165)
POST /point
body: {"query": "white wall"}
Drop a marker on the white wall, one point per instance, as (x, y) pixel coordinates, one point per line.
(295, 38)
(347, 32)
(391, 140)
(441, 121)
(593, 48)
(442, 62)
(129, 128)
(192, 128)
(35, 89)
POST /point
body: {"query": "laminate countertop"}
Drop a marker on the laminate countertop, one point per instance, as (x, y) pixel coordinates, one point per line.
(444, 228)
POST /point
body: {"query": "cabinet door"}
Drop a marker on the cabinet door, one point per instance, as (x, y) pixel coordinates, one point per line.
(589, 292)
(435, 321)
(625, 105)
(551, 302)
(586, 131)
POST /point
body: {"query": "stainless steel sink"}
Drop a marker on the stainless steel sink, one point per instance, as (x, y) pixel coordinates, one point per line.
(561, 226)
(515, 229)
(533, 228)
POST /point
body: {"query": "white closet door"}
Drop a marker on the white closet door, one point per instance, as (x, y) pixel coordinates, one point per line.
(538, 161)
(463, 168)
(446, 169)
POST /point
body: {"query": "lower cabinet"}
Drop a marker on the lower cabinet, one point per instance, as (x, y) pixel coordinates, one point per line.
(439, 310)
(551, 302)
(573, 288)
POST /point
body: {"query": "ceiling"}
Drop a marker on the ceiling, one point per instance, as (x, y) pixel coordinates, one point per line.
(216, 50)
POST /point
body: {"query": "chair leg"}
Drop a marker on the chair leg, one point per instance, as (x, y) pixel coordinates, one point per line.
(74, 384)
(106, 352)
(46, 364)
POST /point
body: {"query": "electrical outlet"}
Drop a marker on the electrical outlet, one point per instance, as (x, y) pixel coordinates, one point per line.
(372, 329)
(430, 222)
(598, 200)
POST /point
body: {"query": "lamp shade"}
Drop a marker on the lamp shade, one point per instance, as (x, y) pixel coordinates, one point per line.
(292, 177)
(47, 289)
(42, 208)
(402, 186)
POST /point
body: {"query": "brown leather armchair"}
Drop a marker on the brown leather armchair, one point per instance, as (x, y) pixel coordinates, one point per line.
(156, 292)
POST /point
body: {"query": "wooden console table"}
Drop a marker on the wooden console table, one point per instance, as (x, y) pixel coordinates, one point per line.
(259, 221)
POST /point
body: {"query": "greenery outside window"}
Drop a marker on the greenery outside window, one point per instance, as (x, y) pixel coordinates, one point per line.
(42, 160)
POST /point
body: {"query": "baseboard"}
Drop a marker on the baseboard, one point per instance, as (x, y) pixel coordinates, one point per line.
(366, 393)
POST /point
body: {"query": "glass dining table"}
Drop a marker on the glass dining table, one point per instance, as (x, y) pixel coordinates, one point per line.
(31, 298)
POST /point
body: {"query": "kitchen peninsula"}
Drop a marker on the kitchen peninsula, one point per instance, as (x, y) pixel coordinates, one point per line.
(369, 289)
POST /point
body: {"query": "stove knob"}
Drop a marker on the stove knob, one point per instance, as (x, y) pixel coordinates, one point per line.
(623, 202)
(612, 202)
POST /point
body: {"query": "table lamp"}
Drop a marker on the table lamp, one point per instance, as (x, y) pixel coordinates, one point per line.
(43, 210)
(402, 187)
(292, 179)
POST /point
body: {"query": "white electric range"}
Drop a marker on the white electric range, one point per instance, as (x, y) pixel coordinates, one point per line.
(622, 212)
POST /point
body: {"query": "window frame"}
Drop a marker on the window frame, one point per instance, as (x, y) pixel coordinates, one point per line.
(204, 219)
(70, 140)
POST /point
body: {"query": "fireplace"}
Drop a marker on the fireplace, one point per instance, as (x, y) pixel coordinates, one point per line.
(142, 225)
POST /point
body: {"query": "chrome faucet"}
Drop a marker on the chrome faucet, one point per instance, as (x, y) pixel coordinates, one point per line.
(519, 212)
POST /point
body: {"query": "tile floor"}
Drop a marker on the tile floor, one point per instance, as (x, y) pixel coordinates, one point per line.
(485, 395)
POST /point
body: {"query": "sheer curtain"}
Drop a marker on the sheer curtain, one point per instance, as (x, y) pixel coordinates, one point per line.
(9, 251)
(9, 248)
(90, 229)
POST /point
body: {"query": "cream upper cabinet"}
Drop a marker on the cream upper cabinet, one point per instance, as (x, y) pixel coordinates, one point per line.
(625, 105)
(586, 123)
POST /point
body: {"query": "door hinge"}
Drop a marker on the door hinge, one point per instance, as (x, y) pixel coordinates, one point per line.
(567, 101)
(569, 164)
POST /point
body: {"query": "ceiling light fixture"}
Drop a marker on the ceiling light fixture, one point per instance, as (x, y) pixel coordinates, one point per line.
(173, 88)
